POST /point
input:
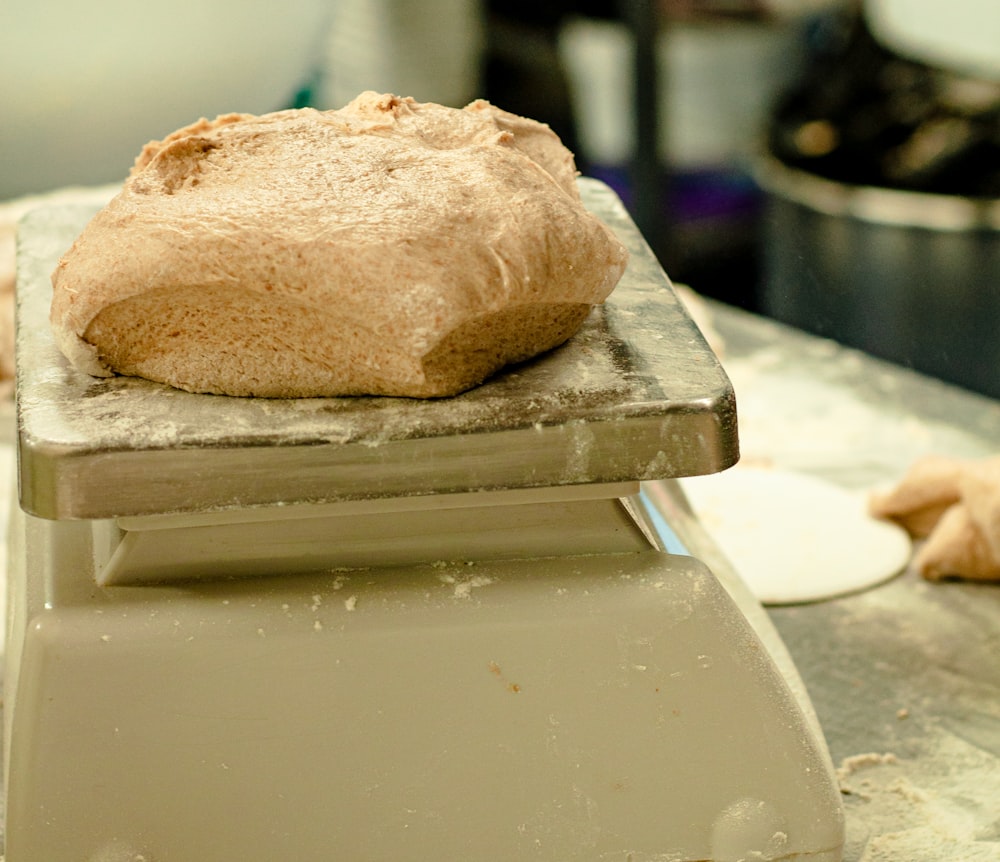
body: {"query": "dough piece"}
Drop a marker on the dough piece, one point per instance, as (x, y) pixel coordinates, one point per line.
(957, 549)
(387, 248)
(955, 505)
(929, 488)
(980, 492)
(794, 538)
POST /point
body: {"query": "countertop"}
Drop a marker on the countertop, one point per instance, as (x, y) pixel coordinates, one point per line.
(904, 677)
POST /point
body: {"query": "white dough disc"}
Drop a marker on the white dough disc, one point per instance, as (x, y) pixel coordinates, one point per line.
(794, 538)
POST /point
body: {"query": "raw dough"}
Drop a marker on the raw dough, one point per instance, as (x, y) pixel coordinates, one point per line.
(796, 538)
(917, 504)
(10, 213)
(386, 248)
(955, 504)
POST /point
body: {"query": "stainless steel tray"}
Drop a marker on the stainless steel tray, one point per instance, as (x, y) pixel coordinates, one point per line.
(637, 394)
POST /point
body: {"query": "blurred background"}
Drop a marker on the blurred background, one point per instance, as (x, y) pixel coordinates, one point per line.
(833, 164)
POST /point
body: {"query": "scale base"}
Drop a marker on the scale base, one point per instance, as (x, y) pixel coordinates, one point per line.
(182, 685)
(611, 706)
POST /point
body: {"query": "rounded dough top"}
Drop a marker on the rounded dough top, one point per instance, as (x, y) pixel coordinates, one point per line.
(389, 247)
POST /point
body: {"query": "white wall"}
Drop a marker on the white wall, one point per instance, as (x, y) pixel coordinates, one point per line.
(83, 85)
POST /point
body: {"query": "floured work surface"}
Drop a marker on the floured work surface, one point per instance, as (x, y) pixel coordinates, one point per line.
(636, 394)
(904, 676)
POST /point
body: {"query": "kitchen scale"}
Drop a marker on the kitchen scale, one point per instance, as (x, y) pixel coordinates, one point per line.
(394, 629)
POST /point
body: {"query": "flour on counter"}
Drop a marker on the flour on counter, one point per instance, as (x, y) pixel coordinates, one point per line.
(904, 811)
(463, 589)
(802, 425)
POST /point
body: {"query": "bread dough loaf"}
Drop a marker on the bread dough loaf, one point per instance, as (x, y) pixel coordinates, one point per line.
(386, 248)
(929, 489)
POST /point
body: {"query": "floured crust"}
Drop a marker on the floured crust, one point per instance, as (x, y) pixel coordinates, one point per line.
(388, 248)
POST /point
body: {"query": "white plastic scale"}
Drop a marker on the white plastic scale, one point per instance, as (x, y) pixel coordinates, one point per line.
(384, 629)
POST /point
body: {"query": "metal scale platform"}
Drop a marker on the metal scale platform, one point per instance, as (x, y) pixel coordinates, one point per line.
(385, 629)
